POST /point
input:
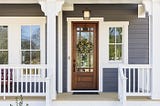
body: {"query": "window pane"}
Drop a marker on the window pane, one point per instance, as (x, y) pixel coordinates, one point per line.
(118, 52)
(25, 57)
(25, 37)
(3, 57)
(3, 37)
(112, 35)
(119, 34)
(3, 44)
(35, 57)
(35, 40)
(111, 52)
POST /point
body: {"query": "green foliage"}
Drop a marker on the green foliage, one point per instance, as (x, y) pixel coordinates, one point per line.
(19, 101)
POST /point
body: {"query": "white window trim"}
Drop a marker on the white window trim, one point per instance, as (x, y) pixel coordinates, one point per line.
(124, 25)
(14, 36)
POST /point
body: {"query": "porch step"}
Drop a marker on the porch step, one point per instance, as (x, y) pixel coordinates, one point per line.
(113, 96)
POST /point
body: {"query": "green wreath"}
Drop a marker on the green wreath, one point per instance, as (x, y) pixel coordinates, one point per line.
(84, 46)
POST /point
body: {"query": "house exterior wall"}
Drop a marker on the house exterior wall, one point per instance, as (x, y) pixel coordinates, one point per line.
(20, 10)
(138, 37)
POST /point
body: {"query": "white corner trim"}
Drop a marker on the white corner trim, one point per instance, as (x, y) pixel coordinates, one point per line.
(69, 56)
(60, 54)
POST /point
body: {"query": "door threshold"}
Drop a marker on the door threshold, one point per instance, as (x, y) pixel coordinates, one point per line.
(85, 91)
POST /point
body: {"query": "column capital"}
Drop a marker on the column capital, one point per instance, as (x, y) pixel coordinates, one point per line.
(147, 6)
(51, 7)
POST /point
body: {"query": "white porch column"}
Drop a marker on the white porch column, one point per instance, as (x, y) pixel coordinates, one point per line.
(155, 49)
(51, 9)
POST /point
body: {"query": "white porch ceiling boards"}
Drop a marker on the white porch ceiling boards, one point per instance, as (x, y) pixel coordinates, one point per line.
(71, 1)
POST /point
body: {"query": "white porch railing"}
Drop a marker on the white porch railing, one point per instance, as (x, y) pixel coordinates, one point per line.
(134, 80)
(26, 80)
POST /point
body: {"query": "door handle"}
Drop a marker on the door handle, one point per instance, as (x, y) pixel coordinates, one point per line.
(74, 65)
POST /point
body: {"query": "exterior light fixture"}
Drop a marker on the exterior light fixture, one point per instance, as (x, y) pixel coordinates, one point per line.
(86, 14)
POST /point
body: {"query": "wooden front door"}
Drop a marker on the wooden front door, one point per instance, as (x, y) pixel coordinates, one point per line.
(84, 56)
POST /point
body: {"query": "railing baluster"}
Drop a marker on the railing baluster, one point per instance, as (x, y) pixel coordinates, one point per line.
(142, 80)
(30, 80)
(0, 79)
(13, 81)
(4, 80)
(138, 85)
(21, 77)
(134, 80)
(129, 80)
(17, 80)
(147, 72)
(35, 80)
(39, 80)
(8, 80)
(43, 70)
(26, 82)
(125, 73)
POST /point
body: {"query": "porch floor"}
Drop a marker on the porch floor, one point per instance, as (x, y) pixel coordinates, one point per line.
(109, 96)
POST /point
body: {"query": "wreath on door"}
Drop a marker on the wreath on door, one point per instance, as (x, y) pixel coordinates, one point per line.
(84, 46)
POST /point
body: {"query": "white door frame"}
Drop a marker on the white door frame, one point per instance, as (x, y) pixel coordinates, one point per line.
(69, 52)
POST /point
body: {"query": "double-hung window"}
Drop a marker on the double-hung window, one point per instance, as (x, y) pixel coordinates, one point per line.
(3, 44)
(30, 44)
(117, 41)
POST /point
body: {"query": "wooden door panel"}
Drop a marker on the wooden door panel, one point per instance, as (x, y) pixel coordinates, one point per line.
(84, 55)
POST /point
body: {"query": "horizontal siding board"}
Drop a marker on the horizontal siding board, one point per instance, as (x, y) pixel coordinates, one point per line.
(138, 41)
(138, 60)
(138, 46)
(138, 27)
(139, 31)
(138, 36)
(110, 80)
(20, 10)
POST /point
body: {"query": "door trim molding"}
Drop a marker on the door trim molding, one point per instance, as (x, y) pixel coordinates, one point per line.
(69, 52)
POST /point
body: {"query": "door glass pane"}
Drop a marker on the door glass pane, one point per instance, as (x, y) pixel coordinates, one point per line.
(84, 52)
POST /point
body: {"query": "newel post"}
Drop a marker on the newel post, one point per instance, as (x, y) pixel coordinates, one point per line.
(51, 9)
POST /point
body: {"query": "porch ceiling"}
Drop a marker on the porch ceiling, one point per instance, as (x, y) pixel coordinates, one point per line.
(72, 1)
